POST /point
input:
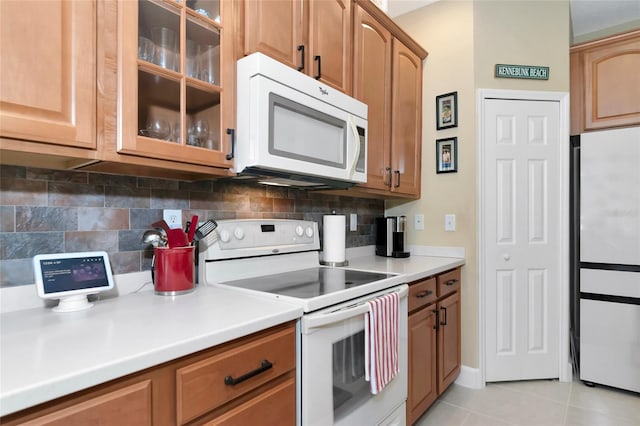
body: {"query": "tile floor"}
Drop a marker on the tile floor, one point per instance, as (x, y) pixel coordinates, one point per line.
(538, 402)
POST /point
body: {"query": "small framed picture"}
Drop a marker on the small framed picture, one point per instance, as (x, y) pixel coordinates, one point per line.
(447, 155)
(447, 111)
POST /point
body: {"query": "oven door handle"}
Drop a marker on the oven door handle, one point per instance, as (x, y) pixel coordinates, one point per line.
(341, 314)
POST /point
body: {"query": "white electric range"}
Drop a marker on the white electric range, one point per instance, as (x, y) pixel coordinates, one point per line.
(280, 259)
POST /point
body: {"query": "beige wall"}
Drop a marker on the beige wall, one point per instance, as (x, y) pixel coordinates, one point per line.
(465, 39)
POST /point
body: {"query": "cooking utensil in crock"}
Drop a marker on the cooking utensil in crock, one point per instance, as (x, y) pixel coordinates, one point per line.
(154, 237)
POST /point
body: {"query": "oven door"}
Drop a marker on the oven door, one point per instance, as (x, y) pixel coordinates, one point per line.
(333, 387)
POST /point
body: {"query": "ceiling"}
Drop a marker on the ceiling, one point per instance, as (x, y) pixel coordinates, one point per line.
(587, 16)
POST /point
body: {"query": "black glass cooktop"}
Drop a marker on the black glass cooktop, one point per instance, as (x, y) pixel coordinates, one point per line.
(309, 283)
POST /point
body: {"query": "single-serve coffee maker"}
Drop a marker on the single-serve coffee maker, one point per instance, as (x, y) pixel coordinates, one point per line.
(391, 236)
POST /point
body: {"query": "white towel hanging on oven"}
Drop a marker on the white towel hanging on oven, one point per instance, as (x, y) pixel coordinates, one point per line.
(381, 341)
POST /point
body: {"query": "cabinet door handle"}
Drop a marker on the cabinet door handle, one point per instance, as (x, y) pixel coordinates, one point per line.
(436, 326)
(301, 50)
(397, 173)
(445, 316)
(264, 366)
(232, 132)
(424, 294)
(451, 282)
(319, 61)
(387, 171)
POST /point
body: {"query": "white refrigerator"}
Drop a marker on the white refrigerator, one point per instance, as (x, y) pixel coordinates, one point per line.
(608, 269)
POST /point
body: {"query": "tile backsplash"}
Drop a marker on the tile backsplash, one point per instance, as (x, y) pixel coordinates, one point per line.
(52, 211)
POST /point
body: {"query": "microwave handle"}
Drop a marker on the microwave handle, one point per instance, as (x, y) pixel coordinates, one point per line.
(356, 142)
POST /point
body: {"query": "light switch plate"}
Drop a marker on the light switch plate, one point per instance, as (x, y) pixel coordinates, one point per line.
(418, 222)
(450, 222)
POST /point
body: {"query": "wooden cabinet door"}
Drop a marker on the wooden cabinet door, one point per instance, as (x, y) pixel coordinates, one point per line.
(422, 363)
(371, 85)
(129, 405)
(274, 28)
(48, 84)
(448, 341)
(612, 85)
(196, 110)
(406, 121)
(329, 57)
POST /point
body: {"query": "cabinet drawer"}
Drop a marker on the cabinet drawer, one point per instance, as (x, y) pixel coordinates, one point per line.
(422, 293)
(201, 387)
(449, 282)
(275, 406)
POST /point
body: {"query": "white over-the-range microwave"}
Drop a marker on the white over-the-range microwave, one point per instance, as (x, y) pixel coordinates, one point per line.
(293, 130)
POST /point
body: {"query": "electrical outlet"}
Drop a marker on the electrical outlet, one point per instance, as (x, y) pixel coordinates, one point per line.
(450, 222)
(353, 222)
(173, 218)
(418, 222)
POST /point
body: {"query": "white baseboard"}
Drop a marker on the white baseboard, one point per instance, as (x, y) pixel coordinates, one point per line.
(469, 378)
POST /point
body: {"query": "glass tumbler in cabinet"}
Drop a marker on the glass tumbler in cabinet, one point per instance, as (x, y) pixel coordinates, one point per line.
(176, 96)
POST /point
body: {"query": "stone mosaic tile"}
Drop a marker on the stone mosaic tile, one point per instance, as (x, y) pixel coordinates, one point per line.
(125, 261)
(127, 197)
(16, 272)
(197, 186)
(91, 241)
(130, 240)
(261, 204)
(122, 182)
(283, 205)
(7, 218)
(68, 194)
(45, 219)
(20, 192)
(99, 219)
(58, 211)
(57, 175)
(154, 183)
(169, 199)
(143, 218)
(13, 172)
(21, 245)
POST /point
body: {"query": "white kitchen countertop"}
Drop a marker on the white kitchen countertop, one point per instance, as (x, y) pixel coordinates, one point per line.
(45, 355)
(414, 267)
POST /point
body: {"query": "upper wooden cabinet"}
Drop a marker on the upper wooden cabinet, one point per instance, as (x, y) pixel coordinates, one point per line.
(48, 68)
(176, 90)
(312, 36)
(388, 78)
(605, 83)
(372, 44)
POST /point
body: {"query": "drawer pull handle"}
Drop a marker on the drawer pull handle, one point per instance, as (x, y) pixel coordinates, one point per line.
(451, 282)
(264, 366)
(424, 294)
(436, 324)
(445, 316)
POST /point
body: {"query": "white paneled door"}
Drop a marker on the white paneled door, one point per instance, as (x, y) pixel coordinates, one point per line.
(522, 252)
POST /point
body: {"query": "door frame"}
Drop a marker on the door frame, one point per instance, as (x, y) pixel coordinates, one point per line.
(564, 369)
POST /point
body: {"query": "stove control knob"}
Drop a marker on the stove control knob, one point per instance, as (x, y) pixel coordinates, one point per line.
(225, 236)
(238, 233)
(299, 231)
(309, 231)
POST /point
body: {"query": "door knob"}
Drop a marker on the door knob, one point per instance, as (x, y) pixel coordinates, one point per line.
(506, 257)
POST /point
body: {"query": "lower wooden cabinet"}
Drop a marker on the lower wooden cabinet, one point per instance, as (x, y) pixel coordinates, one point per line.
(203, 388)
(434, 342)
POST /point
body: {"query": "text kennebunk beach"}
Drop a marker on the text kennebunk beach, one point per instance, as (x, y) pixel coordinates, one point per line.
(532, 72)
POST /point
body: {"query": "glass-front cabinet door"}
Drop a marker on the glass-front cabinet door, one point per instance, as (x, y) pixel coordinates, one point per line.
(176, 80)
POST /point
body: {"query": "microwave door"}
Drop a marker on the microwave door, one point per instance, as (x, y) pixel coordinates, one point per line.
(298, 133)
